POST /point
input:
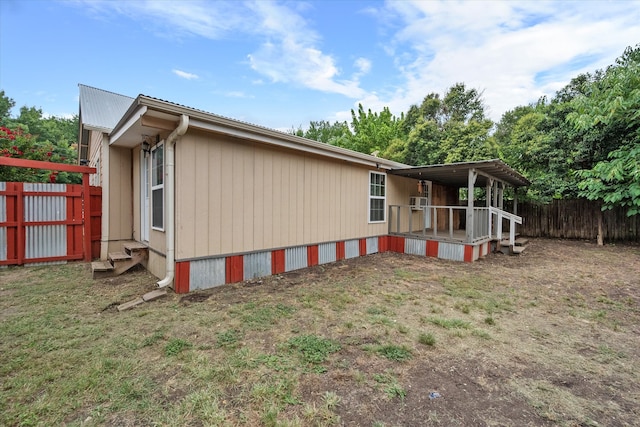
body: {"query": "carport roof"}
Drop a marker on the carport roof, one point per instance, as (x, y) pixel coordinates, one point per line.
(457, 174)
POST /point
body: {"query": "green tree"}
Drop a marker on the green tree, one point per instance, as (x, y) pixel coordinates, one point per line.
(449, 129)
(34, 137)
(374, 132)
(611, 109)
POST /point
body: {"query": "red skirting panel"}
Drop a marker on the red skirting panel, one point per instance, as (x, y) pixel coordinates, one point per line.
(312, 255)
(181, 281)
(363, 247)
(432, 248)
(235, 268)
(277, 261)
(339, 251)
(396, 244)
(468, 253)
(383, 243)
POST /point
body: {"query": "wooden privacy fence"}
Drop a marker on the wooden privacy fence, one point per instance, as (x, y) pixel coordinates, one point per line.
(46, 223)
(577, 219)
(43, 223)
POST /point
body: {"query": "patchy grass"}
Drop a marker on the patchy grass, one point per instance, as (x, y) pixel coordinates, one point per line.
(547, 338)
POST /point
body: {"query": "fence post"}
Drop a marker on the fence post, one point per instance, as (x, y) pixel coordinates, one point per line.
(21, 231)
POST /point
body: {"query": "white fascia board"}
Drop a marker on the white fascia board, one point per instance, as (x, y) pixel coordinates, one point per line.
(324, 150)
(132, 120)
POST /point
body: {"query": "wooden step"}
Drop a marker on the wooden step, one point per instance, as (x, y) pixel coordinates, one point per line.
(101, 266)
(102, 269)
(521, 241)
(134, 246)
(517, 250)
(119, 256)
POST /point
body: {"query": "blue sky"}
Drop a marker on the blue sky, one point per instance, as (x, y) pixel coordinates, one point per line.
(283, 64)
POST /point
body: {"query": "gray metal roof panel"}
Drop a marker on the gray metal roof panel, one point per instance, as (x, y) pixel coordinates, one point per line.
(101, 109)
(458, 173)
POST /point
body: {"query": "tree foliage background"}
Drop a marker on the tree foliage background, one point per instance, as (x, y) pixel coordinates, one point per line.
(30, 135)
(583, 142)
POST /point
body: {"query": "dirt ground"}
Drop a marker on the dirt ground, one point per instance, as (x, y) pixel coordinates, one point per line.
(563, 352)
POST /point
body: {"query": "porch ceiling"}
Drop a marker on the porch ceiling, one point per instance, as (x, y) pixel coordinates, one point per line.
(457, 174)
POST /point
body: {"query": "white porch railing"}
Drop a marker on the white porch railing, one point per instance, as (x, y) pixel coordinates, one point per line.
(423, 221)
(501, 215)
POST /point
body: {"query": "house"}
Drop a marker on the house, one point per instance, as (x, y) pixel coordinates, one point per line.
(215, 200)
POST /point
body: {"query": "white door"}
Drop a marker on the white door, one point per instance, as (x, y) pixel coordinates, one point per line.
(144, 196)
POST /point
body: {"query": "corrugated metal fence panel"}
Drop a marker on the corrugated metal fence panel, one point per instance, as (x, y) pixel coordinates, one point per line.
(45, 208)
(415, 247)
(326, 253)
(257, 265)
(451, 251)
(3, 218)
(44, 241)
(351, 249)
(372, 245)
(295, 258)
(207, 273)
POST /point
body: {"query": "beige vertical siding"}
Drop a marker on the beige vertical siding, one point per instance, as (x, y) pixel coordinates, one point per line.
(120, 194)
(237, 196)
(95, 148)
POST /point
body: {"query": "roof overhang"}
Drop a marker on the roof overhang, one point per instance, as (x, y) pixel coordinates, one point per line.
(457, 174)
(151, 116)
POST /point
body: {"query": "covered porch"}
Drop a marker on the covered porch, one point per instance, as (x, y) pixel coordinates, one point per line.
(467, 222)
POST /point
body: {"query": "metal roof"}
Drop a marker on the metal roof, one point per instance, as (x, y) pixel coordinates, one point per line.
(128, 130)
(458, 173)
(100, 109)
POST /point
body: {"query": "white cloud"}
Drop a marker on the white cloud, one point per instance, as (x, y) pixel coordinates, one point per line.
(504, 48)
(363, 65)
(185, 75)
(289, 51)
(237, 94)
(291, 55)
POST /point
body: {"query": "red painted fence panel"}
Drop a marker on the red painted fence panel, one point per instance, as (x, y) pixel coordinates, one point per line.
(48, 222)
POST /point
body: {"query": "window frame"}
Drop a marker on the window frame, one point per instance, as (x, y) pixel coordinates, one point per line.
(377, 197)
(157, 187)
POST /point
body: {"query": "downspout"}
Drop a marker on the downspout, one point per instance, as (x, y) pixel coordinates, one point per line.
(170, 198)
(105, 176)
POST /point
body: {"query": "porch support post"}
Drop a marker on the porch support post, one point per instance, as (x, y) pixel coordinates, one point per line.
(495, 194)
(488, 190)
(501, 196)
(515, 200)
(470, 185)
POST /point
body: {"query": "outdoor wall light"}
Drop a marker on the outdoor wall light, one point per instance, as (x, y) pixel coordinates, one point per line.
(146, 147)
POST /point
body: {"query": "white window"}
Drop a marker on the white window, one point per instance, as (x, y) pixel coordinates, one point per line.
(377, 196)
(157, 187)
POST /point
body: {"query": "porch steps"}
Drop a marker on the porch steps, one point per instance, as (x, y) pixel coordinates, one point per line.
(520, 244)
(119, 262)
